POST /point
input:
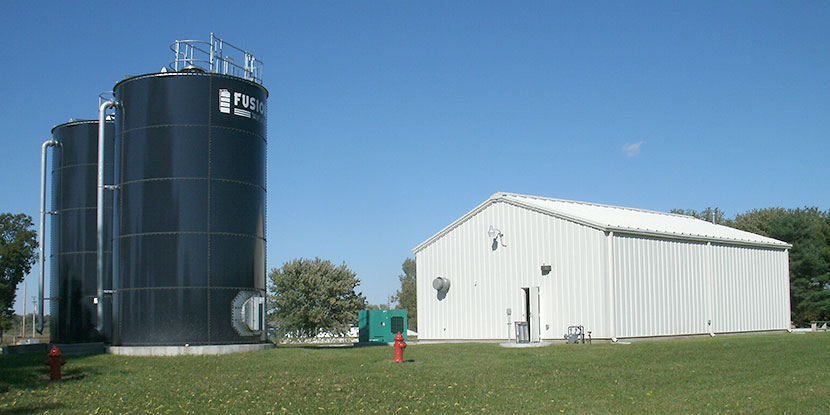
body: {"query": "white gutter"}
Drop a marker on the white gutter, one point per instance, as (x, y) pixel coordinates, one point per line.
(710, 291)
(698, 238)
(610, 269)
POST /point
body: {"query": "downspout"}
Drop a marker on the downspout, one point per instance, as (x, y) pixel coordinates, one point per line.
(100, 214)
(610, 270)
(42, 238)
(710, 291)
(787, 284)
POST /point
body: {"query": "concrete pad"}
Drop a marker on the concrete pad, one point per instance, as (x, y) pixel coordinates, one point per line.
(74, 349)
(187, 350)
(514, 345)
(25, 348)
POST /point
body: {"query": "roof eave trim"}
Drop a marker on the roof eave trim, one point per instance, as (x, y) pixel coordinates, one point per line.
(453, 225)
(559, 215)
(500, 197)
(698, 238)
(497, 198)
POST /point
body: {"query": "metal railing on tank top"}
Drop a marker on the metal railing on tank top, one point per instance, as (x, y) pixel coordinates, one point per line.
(215, 56)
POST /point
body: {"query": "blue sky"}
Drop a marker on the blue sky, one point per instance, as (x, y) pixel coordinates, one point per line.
(389, 120)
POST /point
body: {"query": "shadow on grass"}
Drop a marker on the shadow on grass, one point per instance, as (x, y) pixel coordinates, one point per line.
(29, 371)
(330, 346)
(30, 409)
(371, 344)
(20, 371)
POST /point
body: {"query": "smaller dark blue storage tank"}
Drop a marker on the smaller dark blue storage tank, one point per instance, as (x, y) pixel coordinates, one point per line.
(74, 280)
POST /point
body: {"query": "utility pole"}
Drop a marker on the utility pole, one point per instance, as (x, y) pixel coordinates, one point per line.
(34, 307)
(23, 320)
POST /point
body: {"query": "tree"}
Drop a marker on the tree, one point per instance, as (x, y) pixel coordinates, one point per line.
(407, 295)
(313, 296)
(808, 230)
(705, 214)
(18, 242)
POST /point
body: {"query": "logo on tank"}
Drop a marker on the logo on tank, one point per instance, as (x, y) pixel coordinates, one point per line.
(241, 105)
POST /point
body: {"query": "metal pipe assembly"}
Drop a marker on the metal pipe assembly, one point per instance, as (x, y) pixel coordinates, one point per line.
(41, 238)
(99, 325)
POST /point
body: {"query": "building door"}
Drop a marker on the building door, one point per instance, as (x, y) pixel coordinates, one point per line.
(530, 309)
(534, 314)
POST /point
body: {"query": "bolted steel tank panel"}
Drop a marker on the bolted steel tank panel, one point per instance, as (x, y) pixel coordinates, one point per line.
(73, 282)
(190, 208)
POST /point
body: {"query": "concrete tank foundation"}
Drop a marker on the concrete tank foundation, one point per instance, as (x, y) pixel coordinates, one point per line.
(187, 350)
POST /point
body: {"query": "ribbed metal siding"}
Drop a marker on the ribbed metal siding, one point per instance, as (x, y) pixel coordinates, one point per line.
(661, 287)
(751, 289)
(669, 287)
(484, 282)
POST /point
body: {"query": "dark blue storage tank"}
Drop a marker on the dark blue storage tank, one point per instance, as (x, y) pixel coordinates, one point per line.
(73, 282)
(190, 210)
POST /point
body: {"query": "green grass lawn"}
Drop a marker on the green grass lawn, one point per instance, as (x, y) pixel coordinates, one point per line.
(780, 373)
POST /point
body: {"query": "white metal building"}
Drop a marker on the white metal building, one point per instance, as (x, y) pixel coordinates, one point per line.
(619, 272)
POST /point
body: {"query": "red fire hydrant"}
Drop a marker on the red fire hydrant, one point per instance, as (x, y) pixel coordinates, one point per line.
(55, 362)
(399, 346)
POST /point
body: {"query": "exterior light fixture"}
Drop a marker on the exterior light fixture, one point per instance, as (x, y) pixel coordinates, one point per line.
(496, 235)
(546, 269)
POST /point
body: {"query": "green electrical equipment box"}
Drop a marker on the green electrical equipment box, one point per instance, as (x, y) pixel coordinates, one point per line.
(381, 325)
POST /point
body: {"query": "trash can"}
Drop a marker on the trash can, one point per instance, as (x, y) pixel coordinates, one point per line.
(522, 332)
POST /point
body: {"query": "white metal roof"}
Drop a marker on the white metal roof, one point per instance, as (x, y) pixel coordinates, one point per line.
(622, 220)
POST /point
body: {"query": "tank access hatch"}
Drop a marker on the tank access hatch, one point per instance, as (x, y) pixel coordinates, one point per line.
(248, 313)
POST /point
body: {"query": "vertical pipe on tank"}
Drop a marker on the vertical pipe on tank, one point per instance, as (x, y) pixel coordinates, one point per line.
(42, 239)
(99, 324)
(212, 51)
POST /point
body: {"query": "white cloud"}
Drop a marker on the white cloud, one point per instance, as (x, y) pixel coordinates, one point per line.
(633, 150)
